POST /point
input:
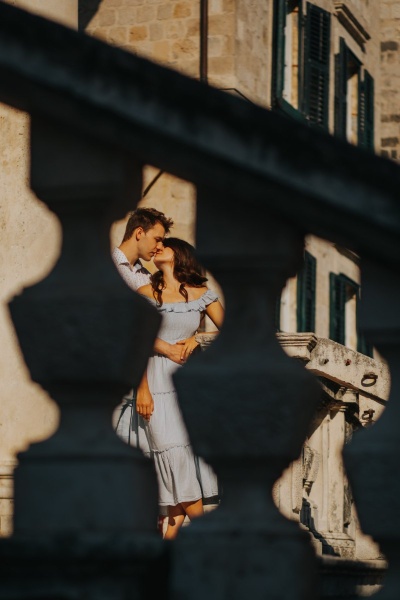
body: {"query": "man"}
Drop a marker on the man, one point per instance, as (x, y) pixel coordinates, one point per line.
(144, 234)
(143, 238)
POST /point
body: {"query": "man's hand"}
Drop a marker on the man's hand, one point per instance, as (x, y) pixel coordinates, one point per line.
(174, 353)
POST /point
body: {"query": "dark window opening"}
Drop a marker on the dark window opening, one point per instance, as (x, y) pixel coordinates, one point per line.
(306, 294)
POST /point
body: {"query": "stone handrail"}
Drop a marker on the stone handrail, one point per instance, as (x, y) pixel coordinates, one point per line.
(120, 98)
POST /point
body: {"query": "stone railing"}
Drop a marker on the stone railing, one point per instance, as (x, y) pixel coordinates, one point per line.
(314, 490)
(85, 523)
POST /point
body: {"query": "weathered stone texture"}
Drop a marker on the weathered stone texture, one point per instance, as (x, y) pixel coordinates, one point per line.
(161, 31)
(390, 71)
(165, 32)
(253, 44)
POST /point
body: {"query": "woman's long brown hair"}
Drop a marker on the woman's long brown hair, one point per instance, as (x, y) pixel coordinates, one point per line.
(187, 269)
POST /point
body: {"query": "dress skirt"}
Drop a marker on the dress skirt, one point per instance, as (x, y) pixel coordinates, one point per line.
(182, 476)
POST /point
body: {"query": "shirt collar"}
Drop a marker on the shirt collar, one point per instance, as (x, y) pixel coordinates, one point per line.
(122, 260)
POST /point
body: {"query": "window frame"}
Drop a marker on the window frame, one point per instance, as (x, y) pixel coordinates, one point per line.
(306, 294)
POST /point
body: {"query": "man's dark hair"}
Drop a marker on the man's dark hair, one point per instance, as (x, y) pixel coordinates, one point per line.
(146, 218)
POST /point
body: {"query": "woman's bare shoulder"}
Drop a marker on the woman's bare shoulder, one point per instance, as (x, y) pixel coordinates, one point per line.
(146, 290)
(196, 292)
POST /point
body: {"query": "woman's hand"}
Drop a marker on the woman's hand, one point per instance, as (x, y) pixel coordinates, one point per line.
(144, 399)
(187, 347)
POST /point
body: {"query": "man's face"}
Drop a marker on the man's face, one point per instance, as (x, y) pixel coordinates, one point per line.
(150, 241)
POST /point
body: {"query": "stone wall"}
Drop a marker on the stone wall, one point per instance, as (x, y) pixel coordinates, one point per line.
(253, 44)
(390, 69)
(168, 33)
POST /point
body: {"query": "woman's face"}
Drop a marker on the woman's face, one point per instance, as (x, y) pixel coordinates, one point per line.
(164, 256)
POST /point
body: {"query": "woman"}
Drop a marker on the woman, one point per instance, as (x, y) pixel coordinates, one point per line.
(179, 293)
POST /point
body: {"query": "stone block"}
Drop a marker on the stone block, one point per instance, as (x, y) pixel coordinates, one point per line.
(127, 16)
(215, 45)
(6, 507)
(221, 65)
(162, 50)
(164, 11)
(156, 31)
(112, 4)
(185, 49)
(175, 30)
(107, 18)
(6, 526)
(118, 35)
(182, 10)
(220, 24)
(146, 13)
(193, 27)
(215, 7)
(138, 34)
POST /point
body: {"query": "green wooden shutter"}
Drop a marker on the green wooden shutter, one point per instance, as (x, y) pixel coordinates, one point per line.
(366, 112)
(341, 62)
(363, 345)
(306, 290)
(337, 323)
(278, 50)
(316, 65)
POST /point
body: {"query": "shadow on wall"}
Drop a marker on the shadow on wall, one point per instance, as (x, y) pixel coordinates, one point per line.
(86, 11)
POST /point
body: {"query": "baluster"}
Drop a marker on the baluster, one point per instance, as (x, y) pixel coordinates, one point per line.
(373, 456)
(247, 406)
(85, 337)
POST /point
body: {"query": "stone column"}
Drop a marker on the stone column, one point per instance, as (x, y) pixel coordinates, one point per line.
(247, 406)
(86, 503)
(333, 535)
(85, 337)
(372, 458)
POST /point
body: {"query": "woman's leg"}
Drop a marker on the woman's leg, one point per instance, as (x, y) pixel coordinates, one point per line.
(176, 516)
(193, 509)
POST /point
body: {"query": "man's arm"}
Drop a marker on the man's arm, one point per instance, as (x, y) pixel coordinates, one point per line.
(175, 352)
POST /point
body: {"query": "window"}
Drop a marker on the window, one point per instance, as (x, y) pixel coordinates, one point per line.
(354, 99)
(344, 308)
(301, 52)
(316, 65)
(306, 291)
(366, 115)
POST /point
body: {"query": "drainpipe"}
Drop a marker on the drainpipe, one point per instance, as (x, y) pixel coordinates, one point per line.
(204, 41)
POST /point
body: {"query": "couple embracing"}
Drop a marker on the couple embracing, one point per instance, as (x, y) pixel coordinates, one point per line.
(154, 422)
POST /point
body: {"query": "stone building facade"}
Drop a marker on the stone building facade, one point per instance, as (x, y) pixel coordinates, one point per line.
(390, 101)
(330, 63)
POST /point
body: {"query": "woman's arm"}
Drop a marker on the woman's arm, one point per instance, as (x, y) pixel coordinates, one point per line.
(171, 351)
(144, 399)
(216, 313)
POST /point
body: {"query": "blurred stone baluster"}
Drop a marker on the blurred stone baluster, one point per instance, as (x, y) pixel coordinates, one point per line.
(85, 337)
(372, 458)
(247, 406)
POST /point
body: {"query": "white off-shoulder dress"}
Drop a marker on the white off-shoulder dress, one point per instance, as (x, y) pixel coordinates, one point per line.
(182, 477)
